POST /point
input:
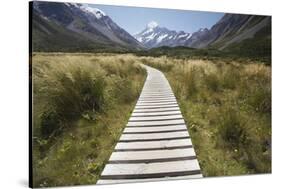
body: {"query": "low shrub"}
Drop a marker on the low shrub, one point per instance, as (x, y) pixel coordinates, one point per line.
(255, 89)
(212, 82)
(190, 82)
(78, 92)
(260, 99)
(230, 77)
(231, 130)
(50, 122)
(75, 94)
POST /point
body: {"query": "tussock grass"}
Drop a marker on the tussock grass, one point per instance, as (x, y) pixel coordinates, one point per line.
(228, 107)
(81, 104)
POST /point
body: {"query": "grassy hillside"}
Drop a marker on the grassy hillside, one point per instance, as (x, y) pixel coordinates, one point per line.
(81, 103)
(228, 109)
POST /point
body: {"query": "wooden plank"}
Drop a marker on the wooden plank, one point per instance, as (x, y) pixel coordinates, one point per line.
(152, 149)
(165, 122)
(156, 154)
(155, 118)
(154, 135)
(153, 144)
(147, 114)
(116, 181)
(139, 104)
(143, 168)
(157, 110)
(152, 175)
(154, 129)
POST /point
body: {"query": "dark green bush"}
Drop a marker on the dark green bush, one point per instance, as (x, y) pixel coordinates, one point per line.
(230, 77)
(231, 130)
(257, 157)
(77, 94)
(190, 83)
(123, 90)
(212, 82)
(50, 122)
(255, 90)
(260, 99)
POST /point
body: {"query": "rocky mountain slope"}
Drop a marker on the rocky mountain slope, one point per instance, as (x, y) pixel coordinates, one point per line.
(233, 29)
(76, 27)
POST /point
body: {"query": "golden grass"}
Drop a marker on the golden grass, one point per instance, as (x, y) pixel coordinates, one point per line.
(72, 150)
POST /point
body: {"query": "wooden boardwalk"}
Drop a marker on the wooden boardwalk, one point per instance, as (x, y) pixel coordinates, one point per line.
(155, 144)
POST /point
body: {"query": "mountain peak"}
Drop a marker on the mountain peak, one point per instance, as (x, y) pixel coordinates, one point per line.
(152, 25)
(154, 36)
(86, 8)
(97, 12)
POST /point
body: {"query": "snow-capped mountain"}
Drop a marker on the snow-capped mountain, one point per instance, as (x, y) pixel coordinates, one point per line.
(230, 29)
(155, 36)
(77, 26)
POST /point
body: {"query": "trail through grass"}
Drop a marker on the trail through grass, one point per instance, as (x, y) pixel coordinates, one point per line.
(228, 109)
(82, 102)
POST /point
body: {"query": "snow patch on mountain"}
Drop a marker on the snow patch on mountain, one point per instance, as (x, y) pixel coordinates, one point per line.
(190, 35)
(139, 39)
(161, 37)
(183, 35)
(73, 4)
(95, 11)
(88, 9)
(147, 31)
(151, 36)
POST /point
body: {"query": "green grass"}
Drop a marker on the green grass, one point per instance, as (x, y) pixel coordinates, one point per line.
(228, 109)
(81, 103)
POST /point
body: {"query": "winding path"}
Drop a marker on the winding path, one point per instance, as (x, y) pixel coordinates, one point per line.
(155, 144)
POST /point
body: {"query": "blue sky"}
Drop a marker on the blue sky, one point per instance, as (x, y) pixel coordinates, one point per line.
(135, 19)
